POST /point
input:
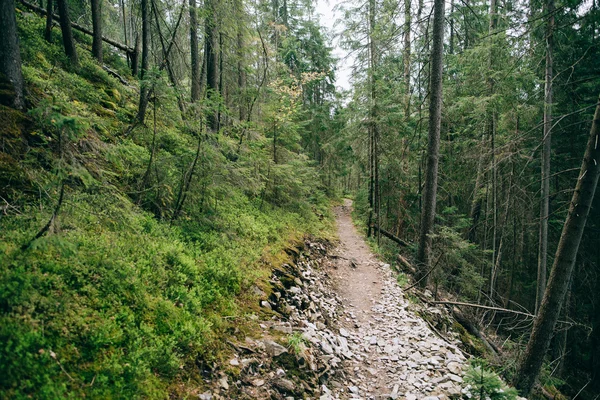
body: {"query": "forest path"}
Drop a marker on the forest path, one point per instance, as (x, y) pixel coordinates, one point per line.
(396, 354)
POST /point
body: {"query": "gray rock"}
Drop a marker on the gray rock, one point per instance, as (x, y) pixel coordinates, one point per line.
(205, 396)
(274, 349)
(266, 305)
(223, 383)
(284, 385)
(326, 347)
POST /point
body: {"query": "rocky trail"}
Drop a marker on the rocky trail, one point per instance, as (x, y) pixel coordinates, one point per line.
(395, 353)
(342, 328)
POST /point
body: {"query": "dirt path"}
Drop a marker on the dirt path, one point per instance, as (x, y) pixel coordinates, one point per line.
(394, 352)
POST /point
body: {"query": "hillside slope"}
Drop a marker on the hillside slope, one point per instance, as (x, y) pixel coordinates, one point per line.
(125, 254)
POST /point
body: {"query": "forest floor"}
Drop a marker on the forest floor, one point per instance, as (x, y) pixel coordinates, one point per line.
(396, 353)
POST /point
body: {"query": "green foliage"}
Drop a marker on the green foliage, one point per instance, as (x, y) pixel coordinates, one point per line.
(122, 298)
(402, 279)
(483, 383)
(296, 342)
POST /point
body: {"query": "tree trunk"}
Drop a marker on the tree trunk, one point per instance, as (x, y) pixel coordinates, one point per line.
(141, 116)
(11, 77)
(212, 66)
(194, 52)
(372, 125)
(97, 29)
(433, 146)
(135, 55)
(562, 269)
(407, 23)
(475, 212)
(241, 74)
(49, 17)
(67, 33)
(546, 153)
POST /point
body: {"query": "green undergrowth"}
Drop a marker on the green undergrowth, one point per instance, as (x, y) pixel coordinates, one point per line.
(118, 298)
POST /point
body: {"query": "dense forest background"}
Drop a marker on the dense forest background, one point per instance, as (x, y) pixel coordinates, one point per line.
(157, 156)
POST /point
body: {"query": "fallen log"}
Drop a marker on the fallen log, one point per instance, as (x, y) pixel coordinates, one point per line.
(391, 236)
(78, 27)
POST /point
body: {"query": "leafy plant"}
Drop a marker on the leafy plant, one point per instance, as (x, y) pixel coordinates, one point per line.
(484, 384)
(296, 342)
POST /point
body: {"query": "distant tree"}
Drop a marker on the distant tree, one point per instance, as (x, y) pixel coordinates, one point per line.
(11, 78)
(546, 152)
(67, 33)
(195, 58)
(143, 105)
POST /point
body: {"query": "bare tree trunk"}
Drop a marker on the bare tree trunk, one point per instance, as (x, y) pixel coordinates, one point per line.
(135, 57)
(122, 5)
(242, 76)
(97, 29)
(433, 147)
(407, 23)
(546, 153)
(372, 125)
(194, 52)
(141, 116)
(212, 66)
(11, 76)
(67, 33)
(49, 17)
(564, 261)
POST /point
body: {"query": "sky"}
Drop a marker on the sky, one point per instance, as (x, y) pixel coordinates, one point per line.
(328, 17)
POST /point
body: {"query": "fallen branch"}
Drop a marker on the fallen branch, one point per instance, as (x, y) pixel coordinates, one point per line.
(458, 303)
(500, 309)
(116, 75)
(78, 27)
(391, 236)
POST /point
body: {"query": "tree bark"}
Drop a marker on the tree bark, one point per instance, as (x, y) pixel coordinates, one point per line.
(67, 33)
(143, 105)
(11, 76)
(433, 146)
(546, 153)
(195, 59)
(97, 29)
(407, 23)
(564, 261)
(212, 65)
(49, 17)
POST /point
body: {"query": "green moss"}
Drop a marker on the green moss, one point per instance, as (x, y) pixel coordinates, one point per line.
(116, 293)
(473, 345)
